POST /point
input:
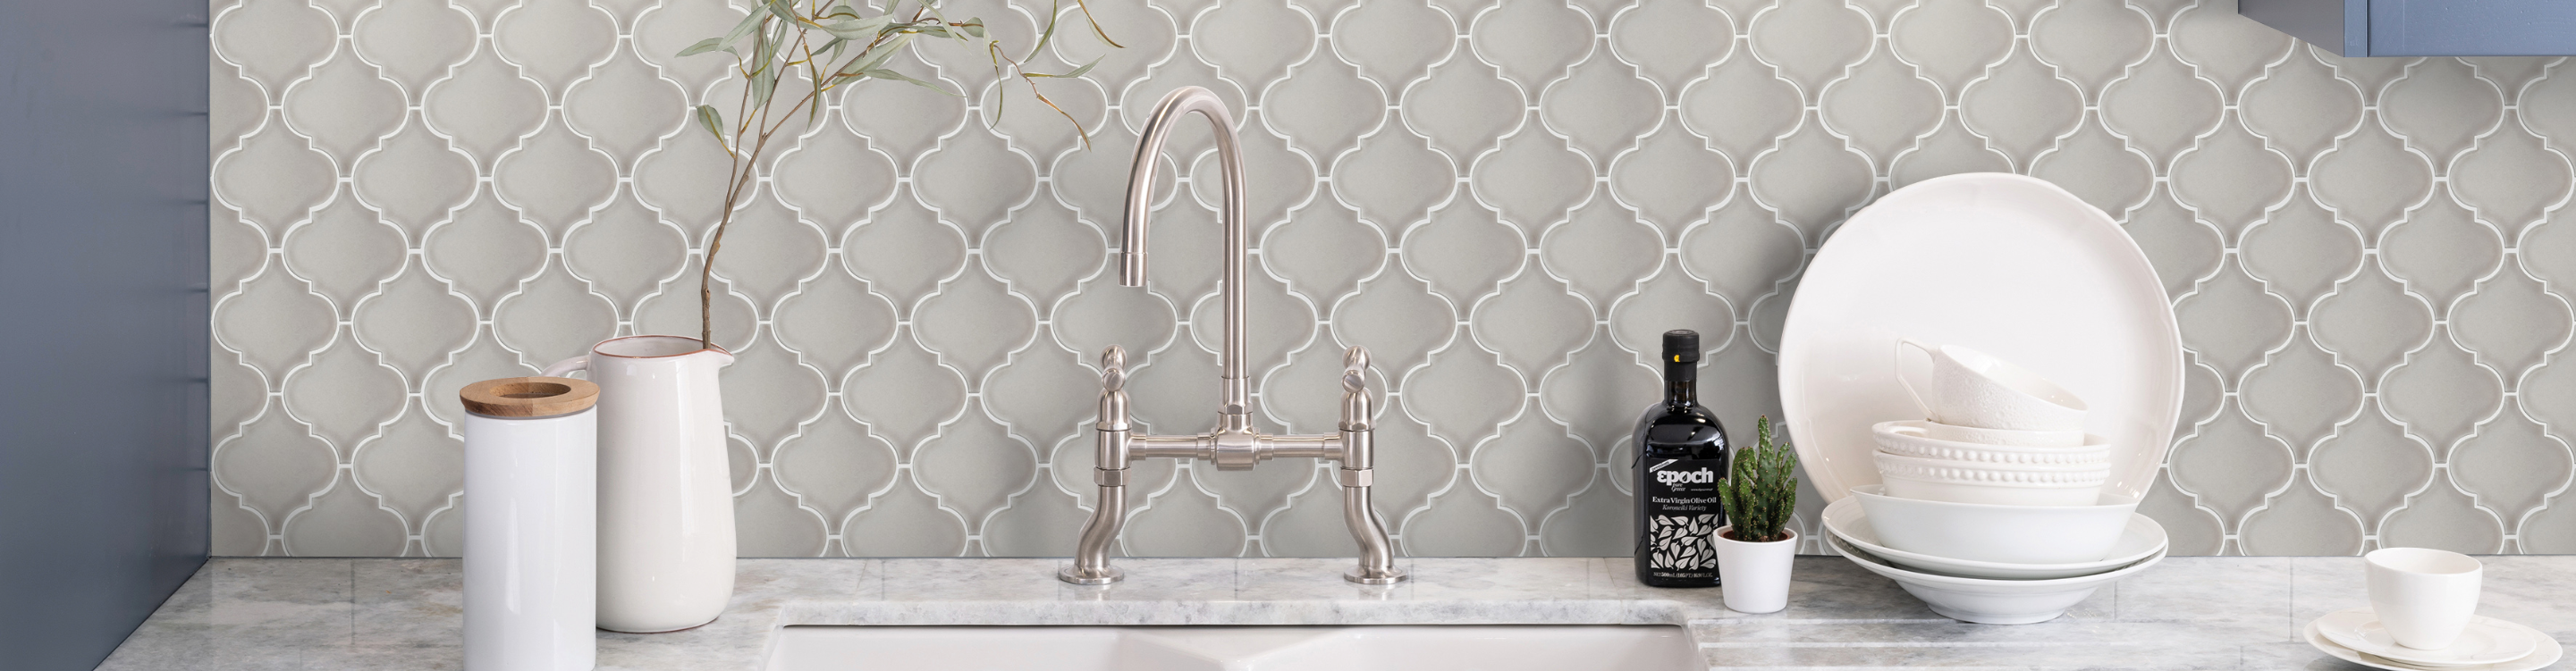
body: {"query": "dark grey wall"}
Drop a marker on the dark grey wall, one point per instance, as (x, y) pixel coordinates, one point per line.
(103, 306)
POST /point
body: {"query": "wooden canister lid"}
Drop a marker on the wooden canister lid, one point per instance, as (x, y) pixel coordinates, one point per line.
(529, 396)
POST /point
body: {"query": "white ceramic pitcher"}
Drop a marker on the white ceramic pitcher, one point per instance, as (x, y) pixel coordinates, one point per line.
(666, 544)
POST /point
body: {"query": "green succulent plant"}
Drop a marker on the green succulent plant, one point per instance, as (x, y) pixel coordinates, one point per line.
(1761, 488)
(818, 46)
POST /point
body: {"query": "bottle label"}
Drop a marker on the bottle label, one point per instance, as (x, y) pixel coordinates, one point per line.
(1681, 518)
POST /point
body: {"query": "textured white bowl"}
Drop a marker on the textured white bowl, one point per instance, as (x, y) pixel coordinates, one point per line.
(1997, 533)
(1988, 601)
(1986, 482)
(1910, 438)
(1847, 520)
(2005, 437)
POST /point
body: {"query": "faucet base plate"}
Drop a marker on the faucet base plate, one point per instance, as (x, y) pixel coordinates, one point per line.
(1358, 575)
(1106, 575)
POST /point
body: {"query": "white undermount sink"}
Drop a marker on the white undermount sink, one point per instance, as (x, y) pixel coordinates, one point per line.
(1193, 648)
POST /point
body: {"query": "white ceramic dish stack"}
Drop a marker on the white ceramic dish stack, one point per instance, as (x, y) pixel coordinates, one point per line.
(2423, 617)
(1992, 601)
(2007, 263)
(2488, 644)
(1998, 494)
(1997, 433)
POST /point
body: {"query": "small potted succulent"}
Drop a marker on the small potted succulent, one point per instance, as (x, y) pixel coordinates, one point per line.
(1755, 551)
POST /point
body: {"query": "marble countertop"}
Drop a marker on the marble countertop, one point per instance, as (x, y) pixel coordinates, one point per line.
(2189, 613)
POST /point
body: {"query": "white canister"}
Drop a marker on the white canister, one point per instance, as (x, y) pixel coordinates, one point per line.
(531, 472)
(666, 545)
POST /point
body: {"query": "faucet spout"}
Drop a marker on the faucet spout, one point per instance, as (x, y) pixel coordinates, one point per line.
(1235, 404)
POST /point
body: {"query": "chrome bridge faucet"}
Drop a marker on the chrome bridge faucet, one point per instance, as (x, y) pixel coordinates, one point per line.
(1233, 446)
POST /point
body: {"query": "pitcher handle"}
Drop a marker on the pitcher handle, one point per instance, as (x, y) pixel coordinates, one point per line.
(561, 368)
(1899, 365)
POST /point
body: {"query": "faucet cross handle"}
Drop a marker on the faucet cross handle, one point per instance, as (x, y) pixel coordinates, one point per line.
(1113, 369)
(1358, 411)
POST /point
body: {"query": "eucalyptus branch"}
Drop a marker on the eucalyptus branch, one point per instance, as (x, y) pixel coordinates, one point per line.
(779, 36)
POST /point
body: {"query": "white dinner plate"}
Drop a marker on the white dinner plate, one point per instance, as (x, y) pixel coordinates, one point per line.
(2547, 654)
(2006, 264)
(2486, 640)
(1846, 520)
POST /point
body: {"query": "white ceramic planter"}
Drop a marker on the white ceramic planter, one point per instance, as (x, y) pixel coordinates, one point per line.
(666, 545)
(1755, 576)
(529, 537)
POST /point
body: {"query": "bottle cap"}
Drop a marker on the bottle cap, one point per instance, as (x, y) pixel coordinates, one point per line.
(1681, 346)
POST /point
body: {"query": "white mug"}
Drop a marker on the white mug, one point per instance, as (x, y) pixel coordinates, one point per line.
(666, 544)
(1974, 389)
(2423, 596)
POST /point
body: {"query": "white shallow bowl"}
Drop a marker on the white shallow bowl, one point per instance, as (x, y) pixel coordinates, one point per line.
(1997, 533)
(1848, 521)
(1914, 438)
(1986, 482)
(1989, 601)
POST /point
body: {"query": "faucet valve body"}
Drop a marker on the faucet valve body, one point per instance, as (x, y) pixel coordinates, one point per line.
(1234, 445)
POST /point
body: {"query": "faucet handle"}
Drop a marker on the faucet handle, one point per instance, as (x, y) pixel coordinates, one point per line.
(1113, 369)
(1355, 363)
(1358, 410)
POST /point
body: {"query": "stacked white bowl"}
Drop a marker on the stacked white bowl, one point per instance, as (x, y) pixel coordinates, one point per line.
(1992, 509)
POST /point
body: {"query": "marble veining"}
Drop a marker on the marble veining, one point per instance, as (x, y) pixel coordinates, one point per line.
(2189, 613)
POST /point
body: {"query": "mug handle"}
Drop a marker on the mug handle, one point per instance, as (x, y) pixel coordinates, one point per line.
(567, 366)
(1899, 363)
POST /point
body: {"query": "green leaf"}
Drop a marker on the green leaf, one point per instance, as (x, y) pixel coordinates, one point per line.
(861, 30)
(890, 74)
(703, 46)
(780, 8)
(712, 121)
(1095, 24)
(762, 85)
(744, 28)
(1077, 72)
(939, 20)
(876, 57)
(1055, 10)
(974, 26)
(1086, 67)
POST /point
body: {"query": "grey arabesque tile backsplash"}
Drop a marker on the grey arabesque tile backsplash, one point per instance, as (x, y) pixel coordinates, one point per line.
(1504, 200)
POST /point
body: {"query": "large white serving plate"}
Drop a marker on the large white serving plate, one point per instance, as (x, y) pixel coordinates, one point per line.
(1354, 648)
(2006, 264)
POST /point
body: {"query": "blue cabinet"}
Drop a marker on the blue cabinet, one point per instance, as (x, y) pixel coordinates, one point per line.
(2424, 27)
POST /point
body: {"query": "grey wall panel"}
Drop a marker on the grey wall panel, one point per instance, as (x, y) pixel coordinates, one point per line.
(102, 273)
(1505, 200)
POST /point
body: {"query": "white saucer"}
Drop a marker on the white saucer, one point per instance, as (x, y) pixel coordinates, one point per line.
(2546, 654)
(2485, 641)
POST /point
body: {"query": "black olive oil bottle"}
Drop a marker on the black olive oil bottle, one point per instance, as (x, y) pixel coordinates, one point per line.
(1681, 459)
